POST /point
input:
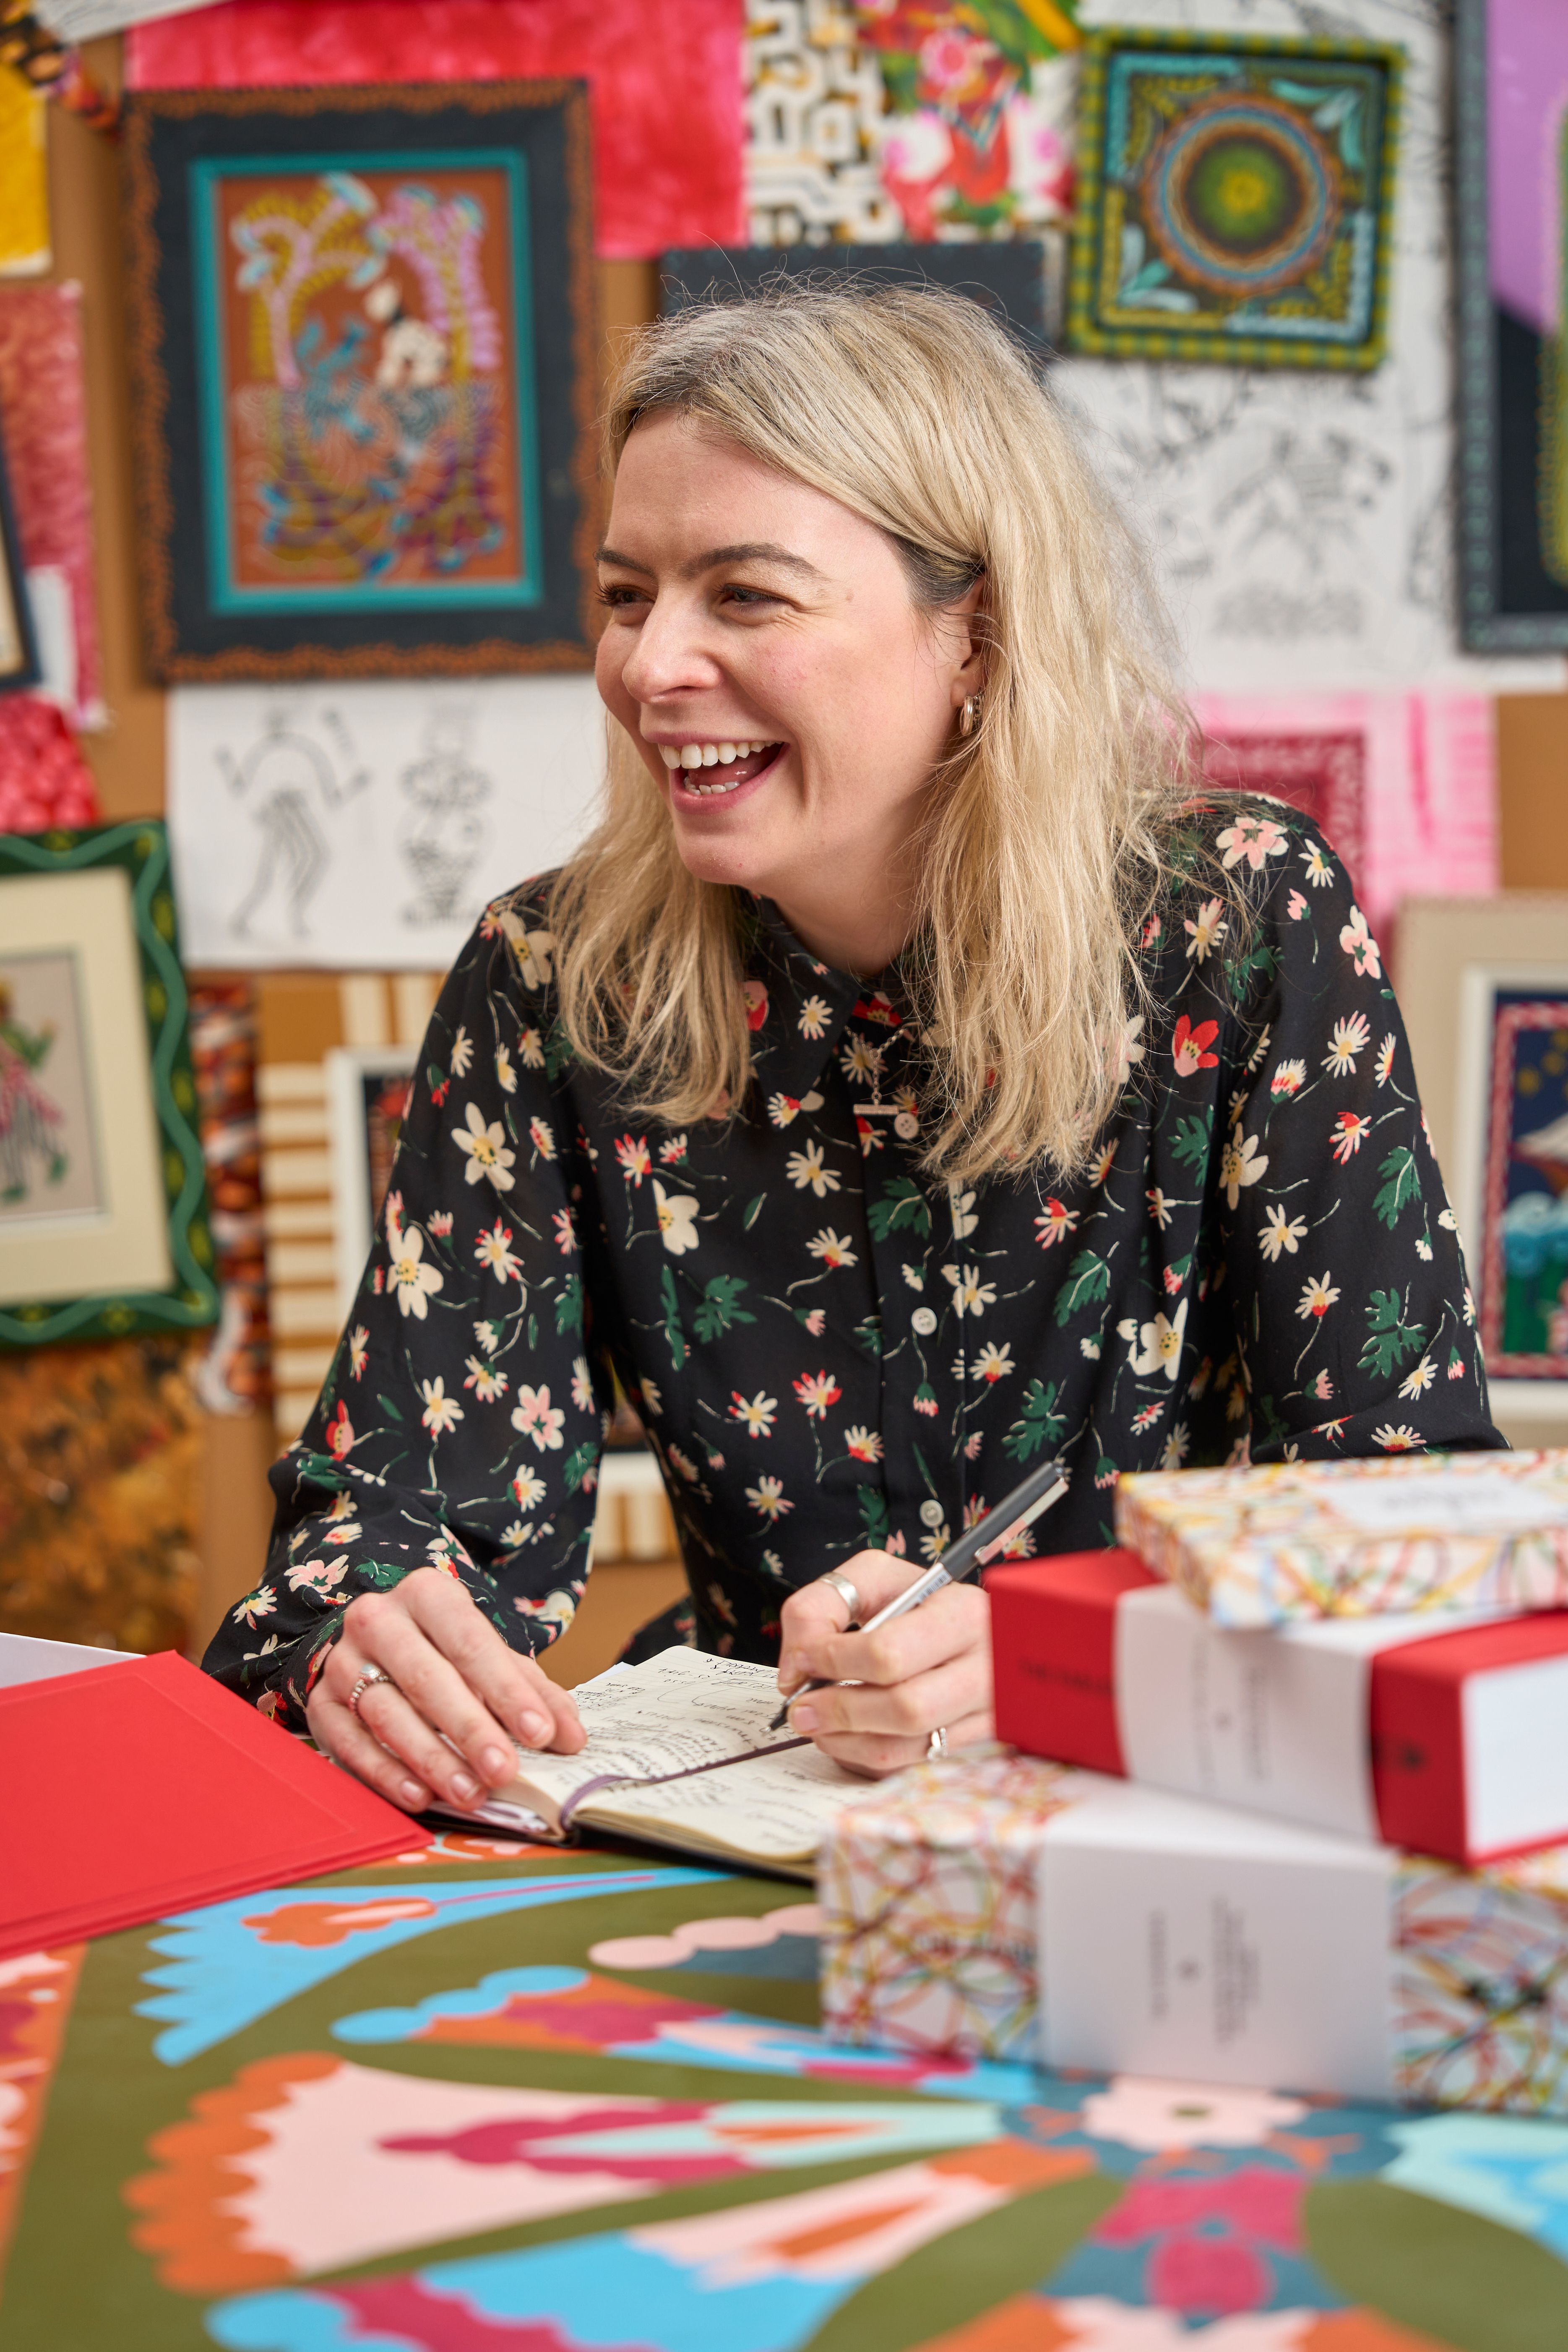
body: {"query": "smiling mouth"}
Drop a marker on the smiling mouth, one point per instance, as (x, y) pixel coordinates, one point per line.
(709, 771)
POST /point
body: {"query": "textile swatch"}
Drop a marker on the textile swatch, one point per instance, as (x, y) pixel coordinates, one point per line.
(43, 416)
(1428, 816)
(663, 80)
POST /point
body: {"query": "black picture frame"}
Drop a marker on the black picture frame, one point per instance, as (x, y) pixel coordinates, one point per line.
(1011, 279)
(1509, 603)
(205, 615)
(19, 666)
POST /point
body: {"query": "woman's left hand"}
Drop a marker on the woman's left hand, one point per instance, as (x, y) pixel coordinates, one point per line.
(929, 1670)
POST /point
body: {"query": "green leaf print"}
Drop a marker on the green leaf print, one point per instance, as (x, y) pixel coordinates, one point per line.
(718, 1309)
(1088, 1278)
(674, 1333)
(753, 1209)
(388, 1407)
(577, 1465)
(1391, 1339)
(1039, 1424)
(873, 1506)
(1191, 1142)
(1400, 1185)
(900, 1207)
(569, 1305)
(557, 1051)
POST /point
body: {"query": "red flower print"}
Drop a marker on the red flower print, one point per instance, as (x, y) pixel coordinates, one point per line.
(1189, 1046)
(341, 1432)
(756, 1003)
(1347, 1133)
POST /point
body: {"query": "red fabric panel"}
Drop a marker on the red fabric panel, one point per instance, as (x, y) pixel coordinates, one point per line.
(1053, 1642)
(43, 423)
(664, 78)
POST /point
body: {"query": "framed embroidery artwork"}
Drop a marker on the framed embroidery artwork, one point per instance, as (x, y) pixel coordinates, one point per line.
(361, 334)
(1235, 199)
(1484, 987)
(1511, 161)
(103, 1198)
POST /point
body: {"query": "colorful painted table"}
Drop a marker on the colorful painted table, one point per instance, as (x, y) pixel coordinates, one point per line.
(501, 2099)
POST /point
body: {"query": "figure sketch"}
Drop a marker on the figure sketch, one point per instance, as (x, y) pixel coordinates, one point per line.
(32, 1126)
(445, 837)
(287, 779)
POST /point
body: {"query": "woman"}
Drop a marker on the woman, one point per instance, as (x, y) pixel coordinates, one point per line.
(910, 1077)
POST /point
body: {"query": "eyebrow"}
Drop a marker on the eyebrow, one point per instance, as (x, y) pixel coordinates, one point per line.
(747, 551)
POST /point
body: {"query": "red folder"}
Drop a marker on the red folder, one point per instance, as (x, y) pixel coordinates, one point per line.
(135, 1791)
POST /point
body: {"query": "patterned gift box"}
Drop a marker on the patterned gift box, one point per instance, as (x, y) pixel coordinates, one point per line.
(1412, 1531)
(927, 1893)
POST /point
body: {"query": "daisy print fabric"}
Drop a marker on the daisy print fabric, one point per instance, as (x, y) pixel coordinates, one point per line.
(827, 1347)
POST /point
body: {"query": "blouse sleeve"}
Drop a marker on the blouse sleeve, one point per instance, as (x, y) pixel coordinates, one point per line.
(1355, 1330)
(459, 1424)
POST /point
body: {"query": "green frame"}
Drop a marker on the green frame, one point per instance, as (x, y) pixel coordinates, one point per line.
(1208, 343)
(140, 848)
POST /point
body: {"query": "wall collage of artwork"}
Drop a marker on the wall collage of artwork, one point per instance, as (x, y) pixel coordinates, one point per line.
(299, 487)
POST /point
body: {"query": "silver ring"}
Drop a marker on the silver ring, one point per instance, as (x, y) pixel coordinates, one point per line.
(935, 1745)
(371, 1675)
(845, 1589)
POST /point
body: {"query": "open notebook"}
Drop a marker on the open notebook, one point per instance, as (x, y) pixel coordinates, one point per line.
(679, 1753)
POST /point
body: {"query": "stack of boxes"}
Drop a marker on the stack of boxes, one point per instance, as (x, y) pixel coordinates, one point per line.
(1283, 1799)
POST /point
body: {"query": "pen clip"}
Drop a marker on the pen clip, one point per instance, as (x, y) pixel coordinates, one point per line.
(987, 1552)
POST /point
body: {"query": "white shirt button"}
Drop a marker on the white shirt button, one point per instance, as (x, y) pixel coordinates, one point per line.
(924, 1321)
(931, 1515)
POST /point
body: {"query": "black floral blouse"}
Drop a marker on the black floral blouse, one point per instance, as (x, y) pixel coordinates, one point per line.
(829, 1351)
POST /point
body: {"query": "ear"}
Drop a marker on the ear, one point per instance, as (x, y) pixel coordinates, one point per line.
(965, 642)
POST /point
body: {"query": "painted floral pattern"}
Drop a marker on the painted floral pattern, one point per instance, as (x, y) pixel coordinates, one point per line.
(829, 1350)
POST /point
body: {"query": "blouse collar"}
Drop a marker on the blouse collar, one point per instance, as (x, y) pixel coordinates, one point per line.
(800, 1007)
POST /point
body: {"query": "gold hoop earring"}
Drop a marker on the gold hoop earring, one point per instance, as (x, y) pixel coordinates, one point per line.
(969, 715)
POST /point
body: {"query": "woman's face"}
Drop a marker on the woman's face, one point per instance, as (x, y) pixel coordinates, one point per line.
(753, 617)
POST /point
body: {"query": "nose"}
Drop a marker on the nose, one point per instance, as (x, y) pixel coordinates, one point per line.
(670, 656)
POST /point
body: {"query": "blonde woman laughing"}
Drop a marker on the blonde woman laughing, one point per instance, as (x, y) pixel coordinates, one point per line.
(916, 1075)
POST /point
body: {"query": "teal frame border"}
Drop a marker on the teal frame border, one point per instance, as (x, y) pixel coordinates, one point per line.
(190, 1302)
(528, 588)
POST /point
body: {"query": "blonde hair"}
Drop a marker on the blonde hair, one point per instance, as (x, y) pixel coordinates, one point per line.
(1044, 841)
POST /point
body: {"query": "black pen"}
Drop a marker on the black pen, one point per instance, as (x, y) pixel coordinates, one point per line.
(974, 1549)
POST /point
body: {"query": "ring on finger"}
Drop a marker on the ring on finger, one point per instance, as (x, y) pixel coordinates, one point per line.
(371, 1675)
(844, 1586)
(937, 1745)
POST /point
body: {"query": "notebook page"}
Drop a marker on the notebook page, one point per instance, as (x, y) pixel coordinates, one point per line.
(680, 1709)
(769, 1809)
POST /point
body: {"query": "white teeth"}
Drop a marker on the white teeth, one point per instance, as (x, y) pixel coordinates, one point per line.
(708, 755)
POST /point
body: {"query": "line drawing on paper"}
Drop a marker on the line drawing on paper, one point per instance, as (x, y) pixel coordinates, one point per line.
(445, 840)
(283, 777)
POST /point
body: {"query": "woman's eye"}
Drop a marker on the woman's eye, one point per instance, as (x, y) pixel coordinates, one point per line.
(750, 595)
(620, 597)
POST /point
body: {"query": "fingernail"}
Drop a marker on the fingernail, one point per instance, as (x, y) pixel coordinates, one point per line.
(412, 1794)
(462, 1785)
(496, 1764)
(535, 1729)
(804, 1717)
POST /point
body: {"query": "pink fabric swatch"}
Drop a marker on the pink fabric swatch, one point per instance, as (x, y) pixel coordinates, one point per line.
(43, 423)
(1429, 817)
(664, 80)
(44, 779)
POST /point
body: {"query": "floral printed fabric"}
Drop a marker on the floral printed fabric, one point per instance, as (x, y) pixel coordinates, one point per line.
(827, 1348)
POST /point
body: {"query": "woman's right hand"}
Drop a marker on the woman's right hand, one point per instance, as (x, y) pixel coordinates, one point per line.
(451, 1679)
